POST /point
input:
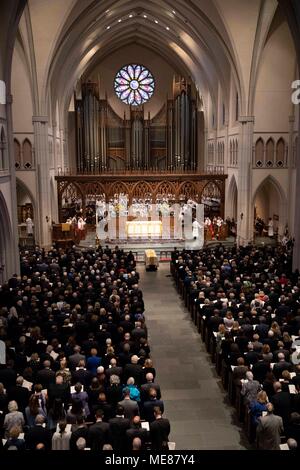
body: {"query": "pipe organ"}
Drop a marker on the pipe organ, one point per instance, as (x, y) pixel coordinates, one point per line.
(106, 141)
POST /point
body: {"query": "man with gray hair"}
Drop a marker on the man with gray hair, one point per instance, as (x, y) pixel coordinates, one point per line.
(134, 370)
(269, 429)
(281, 365)
(282, 404)
(250, 388)
(38, 434)
(146, 387)
(19, 393)
(75, 358)
(292, 444)
(81, 443)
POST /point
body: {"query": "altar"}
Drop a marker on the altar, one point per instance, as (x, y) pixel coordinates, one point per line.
(144, 229)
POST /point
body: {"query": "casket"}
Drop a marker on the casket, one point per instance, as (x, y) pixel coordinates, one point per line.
(151, 260)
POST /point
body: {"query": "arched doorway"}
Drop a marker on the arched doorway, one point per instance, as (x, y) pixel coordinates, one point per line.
(269, 202)
(232, 199)
(26, 215)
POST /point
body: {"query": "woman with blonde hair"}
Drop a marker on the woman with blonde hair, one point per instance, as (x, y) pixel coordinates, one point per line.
(148, 367)
(13, 418)
(64, 371)
(258, 406)
(219, 338)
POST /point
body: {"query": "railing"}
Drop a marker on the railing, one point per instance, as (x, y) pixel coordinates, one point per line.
(143, 171)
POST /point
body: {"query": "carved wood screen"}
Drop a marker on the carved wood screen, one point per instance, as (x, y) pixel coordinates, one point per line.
(181, 187)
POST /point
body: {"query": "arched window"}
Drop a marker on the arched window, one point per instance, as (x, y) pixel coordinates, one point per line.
(280, 150)
(17, 153)
(236, 152)
(27, 154)
(230, 154)
(270, 147)
(259, 153)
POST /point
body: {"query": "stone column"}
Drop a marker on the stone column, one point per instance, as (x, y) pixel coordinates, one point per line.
(40, 124)
(244, 202)
(13, 263)
(296, 234)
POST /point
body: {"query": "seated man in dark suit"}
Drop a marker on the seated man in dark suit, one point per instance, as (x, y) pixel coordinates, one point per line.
(38, 435)
(149, 405)
(159, 431)
(98, 433)
(118, 427)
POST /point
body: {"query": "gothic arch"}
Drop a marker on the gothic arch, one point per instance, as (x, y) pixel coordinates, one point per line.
(140, 189)
(188, 189)
(6, 243)
(270, 152)
(232, 193)
(267, 189)
(280, 152)
(17, 153)
(259, 153)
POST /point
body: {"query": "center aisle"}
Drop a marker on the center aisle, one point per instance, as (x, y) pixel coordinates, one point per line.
(194, 401)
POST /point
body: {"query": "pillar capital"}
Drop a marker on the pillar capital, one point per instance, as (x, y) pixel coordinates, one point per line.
(246, 119)
(42, 119)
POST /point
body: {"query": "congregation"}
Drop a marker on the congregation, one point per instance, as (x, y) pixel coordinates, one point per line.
(246, 304)
(77, 372)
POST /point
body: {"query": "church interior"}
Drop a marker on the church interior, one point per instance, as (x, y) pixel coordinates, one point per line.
(150, 231)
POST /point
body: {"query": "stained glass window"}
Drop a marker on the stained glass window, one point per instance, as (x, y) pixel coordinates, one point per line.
(134, 84)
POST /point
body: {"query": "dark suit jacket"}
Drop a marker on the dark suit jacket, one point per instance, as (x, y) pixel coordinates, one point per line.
(8, 377)
(159, 434)
(282, 405)
(37, 435)
(135, 371)
(74, 360)
(140, 432)
(59, 391)
(145, 391)
(279, 367)
(260, 370)
(80, 432)
(20, 395)
(45, 377)
(114, 371)
(148, 409)
(98, 435)
(118, 427)
(83, 376)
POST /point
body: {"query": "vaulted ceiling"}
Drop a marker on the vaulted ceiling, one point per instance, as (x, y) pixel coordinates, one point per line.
(211, 41)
